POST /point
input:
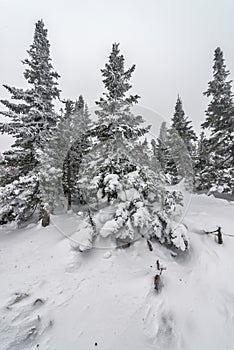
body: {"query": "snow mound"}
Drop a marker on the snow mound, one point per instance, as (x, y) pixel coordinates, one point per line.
(55, 297)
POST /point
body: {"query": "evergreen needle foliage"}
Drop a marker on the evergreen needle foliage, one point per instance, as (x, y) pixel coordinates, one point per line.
(31, 117)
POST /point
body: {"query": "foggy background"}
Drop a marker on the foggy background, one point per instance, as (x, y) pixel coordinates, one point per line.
(172, 43)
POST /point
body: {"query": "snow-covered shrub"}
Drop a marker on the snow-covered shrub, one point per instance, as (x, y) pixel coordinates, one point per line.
(18, 199)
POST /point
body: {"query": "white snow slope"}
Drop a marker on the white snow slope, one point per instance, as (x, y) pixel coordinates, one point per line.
(53, 297)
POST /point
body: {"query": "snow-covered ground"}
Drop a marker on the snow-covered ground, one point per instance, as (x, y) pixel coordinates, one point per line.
(53, 297)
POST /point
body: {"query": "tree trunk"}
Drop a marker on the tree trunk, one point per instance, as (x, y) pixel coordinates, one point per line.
(219, 235)
(46, 218)
(68, 180)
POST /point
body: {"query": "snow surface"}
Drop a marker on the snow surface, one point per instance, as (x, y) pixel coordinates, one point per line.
(53, 297)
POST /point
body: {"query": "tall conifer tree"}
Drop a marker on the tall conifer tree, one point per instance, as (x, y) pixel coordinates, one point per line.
(220, 123)
(116, 177)
(30, 117)
(183, 126)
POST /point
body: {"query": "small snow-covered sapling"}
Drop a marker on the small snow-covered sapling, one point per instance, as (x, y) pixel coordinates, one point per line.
(157, 277)
(160, 267)
(149, 245)
(157, 282)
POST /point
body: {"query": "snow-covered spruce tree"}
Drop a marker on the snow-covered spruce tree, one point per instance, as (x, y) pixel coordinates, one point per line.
(220, 123)
(160, 147)
(183, 126)
(126, 198)
(173, 156)
(176, 147)
(61, 156)
(179, 163)
(78, 148)
(31, 116)
(201, 162)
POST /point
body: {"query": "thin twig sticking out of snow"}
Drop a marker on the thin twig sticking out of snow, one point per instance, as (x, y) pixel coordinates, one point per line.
(149, 245)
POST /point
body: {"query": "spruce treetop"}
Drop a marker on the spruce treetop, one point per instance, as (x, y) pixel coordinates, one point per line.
(80, 104)
(38, 98)
(40, 71)
(115, 118)
(182, 125)
(221, 105)
(116, 80)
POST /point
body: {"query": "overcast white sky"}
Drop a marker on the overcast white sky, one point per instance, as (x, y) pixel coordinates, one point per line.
(170, 41)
